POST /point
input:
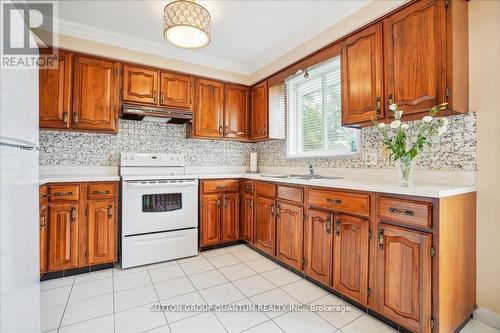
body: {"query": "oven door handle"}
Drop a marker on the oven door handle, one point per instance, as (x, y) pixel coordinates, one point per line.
(157, 185)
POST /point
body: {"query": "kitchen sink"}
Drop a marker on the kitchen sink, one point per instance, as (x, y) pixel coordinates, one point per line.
(305, 177)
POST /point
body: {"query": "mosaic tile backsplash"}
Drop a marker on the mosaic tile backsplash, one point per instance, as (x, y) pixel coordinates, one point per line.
(455, 150)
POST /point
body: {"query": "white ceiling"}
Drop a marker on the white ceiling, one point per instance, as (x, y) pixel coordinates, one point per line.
(246, 35)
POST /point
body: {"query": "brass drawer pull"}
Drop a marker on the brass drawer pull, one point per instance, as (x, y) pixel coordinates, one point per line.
(405, 212)
(62, 194)
(101, 192)
(221, 187)
(334, 201)
(337, 227)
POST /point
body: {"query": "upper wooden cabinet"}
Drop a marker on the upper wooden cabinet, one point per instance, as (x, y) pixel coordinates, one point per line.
(208, 109)
(362, 76)
(96, 90)
(140, 85)
(415, 56)
(259, 116)
(236, 99)
(176, 90)
(55, 92)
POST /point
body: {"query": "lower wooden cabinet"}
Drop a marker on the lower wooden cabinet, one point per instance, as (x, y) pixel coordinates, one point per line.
(350, 257)
(230, 217)
(210, 219)
(318, 246)
(63, 236)
(289, 232)
(78, 225)
(403, 275)
(247, 220)
(265, 224)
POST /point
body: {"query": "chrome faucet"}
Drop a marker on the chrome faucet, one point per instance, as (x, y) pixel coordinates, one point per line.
(311, 169)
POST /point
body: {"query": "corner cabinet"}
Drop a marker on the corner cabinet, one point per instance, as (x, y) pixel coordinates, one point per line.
(259, 127)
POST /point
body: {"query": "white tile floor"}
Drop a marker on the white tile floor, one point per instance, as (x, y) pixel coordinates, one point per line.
(116, 300)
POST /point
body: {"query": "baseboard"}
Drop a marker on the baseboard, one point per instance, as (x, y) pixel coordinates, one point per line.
(487, 316)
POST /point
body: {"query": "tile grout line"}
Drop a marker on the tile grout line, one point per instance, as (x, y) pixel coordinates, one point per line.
(113, 288)
(66, 305)
(158, 298)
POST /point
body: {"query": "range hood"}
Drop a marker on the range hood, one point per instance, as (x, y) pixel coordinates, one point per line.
(155, 114)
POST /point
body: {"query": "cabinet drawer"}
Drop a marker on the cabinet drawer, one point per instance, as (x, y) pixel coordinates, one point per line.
(411, 212)
(64, 192)
(101, 191)
(291, 193)
(220, 185)
(247, 186)
(266, 189)
(347, 202)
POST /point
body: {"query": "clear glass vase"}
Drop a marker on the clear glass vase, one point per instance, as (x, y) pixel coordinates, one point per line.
(405, 166)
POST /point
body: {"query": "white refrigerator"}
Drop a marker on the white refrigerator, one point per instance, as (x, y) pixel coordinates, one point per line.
(19, 226)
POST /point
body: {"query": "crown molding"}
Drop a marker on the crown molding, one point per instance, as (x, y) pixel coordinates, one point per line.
(136, 44)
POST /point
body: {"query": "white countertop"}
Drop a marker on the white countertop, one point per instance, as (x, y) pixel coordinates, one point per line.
(369, 182)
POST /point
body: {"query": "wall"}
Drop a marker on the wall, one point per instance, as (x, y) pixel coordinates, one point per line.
(484, 57)
(77, 148)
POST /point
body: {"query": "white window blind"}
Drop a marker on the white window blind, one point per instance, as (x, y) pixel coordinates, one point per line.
(314, 114)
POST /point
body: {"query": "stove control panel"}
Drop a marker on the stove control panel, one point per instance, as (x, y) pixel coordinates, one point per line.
(152, 159)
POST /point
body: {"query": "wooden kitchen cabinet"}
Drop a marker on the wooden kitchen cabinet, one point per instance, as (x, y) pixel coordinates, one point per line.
(350, 257)
(230, 217)
(403, 275)
(236, 113)
(44, 221)
(247, 217)
(415, 57)
(362, 76)
(101, 231)
(55, 92)
(265, 224)
(260, 115)
(176, 90)
(289, 234)
(96, 90)
(208, 109)
(210, 219)
(63, 236)
(318, 246)
(140, 85)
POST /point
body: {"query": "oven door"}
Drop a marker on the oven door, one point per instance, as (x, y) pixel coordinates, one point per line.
(159, 205)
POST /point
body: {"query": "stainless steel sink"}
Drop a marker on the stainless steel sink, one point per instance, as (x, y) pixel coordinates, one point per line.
(305, 177)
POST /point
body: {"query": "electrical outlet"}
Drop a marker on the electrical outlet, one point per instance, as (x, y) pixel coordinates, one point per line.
(371, 158)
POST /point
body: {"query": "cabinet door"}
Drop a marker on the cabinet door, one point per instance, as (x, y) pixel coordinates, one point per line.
(44, 217)
(140, 85)
(55, 92)
(247, 217)
(350, 257)
(265, 225)
(259, 115)
(362, 76)
(290, 228)
(63, 236)
(95, 95)
(414, 56)
(208, 109)
(101, 232)
(403, 280)
(176, 90)
(210, 219)
(236, 112)
(230, 217)
(318, 244)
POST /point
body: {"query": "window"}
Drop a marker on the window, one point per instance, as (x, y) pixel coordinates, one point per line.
(314, 114)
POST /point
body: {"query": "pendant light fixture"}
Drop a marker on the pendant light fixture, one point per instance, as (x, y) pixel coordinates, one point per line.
(186, 24)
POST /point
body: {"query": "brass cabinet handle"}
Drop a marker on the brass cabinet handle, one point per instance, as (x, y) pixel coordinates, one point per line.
(225, 203)
(154, 96)
(73, 214)
(162, 97)
(218, 203)
(389, 99)
(43, 221)
(381, 239)
(278, 211)
(337, 227)
(250, 204)
(221, 187)
(62, 194)
(101, 192)
(110, 211)
(405, 212)
(377, 105)
(220, 130)
(65, 117)
(272, 209)
(328, 224)
(75, 118)
(334, 201)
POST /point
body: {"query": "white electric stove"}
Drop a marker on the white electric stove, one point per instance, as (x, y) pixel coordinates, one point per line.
(159, 209)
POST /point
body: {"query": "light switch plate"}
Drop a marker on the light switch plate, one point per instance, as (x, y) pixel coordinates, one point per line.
(371, 158)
